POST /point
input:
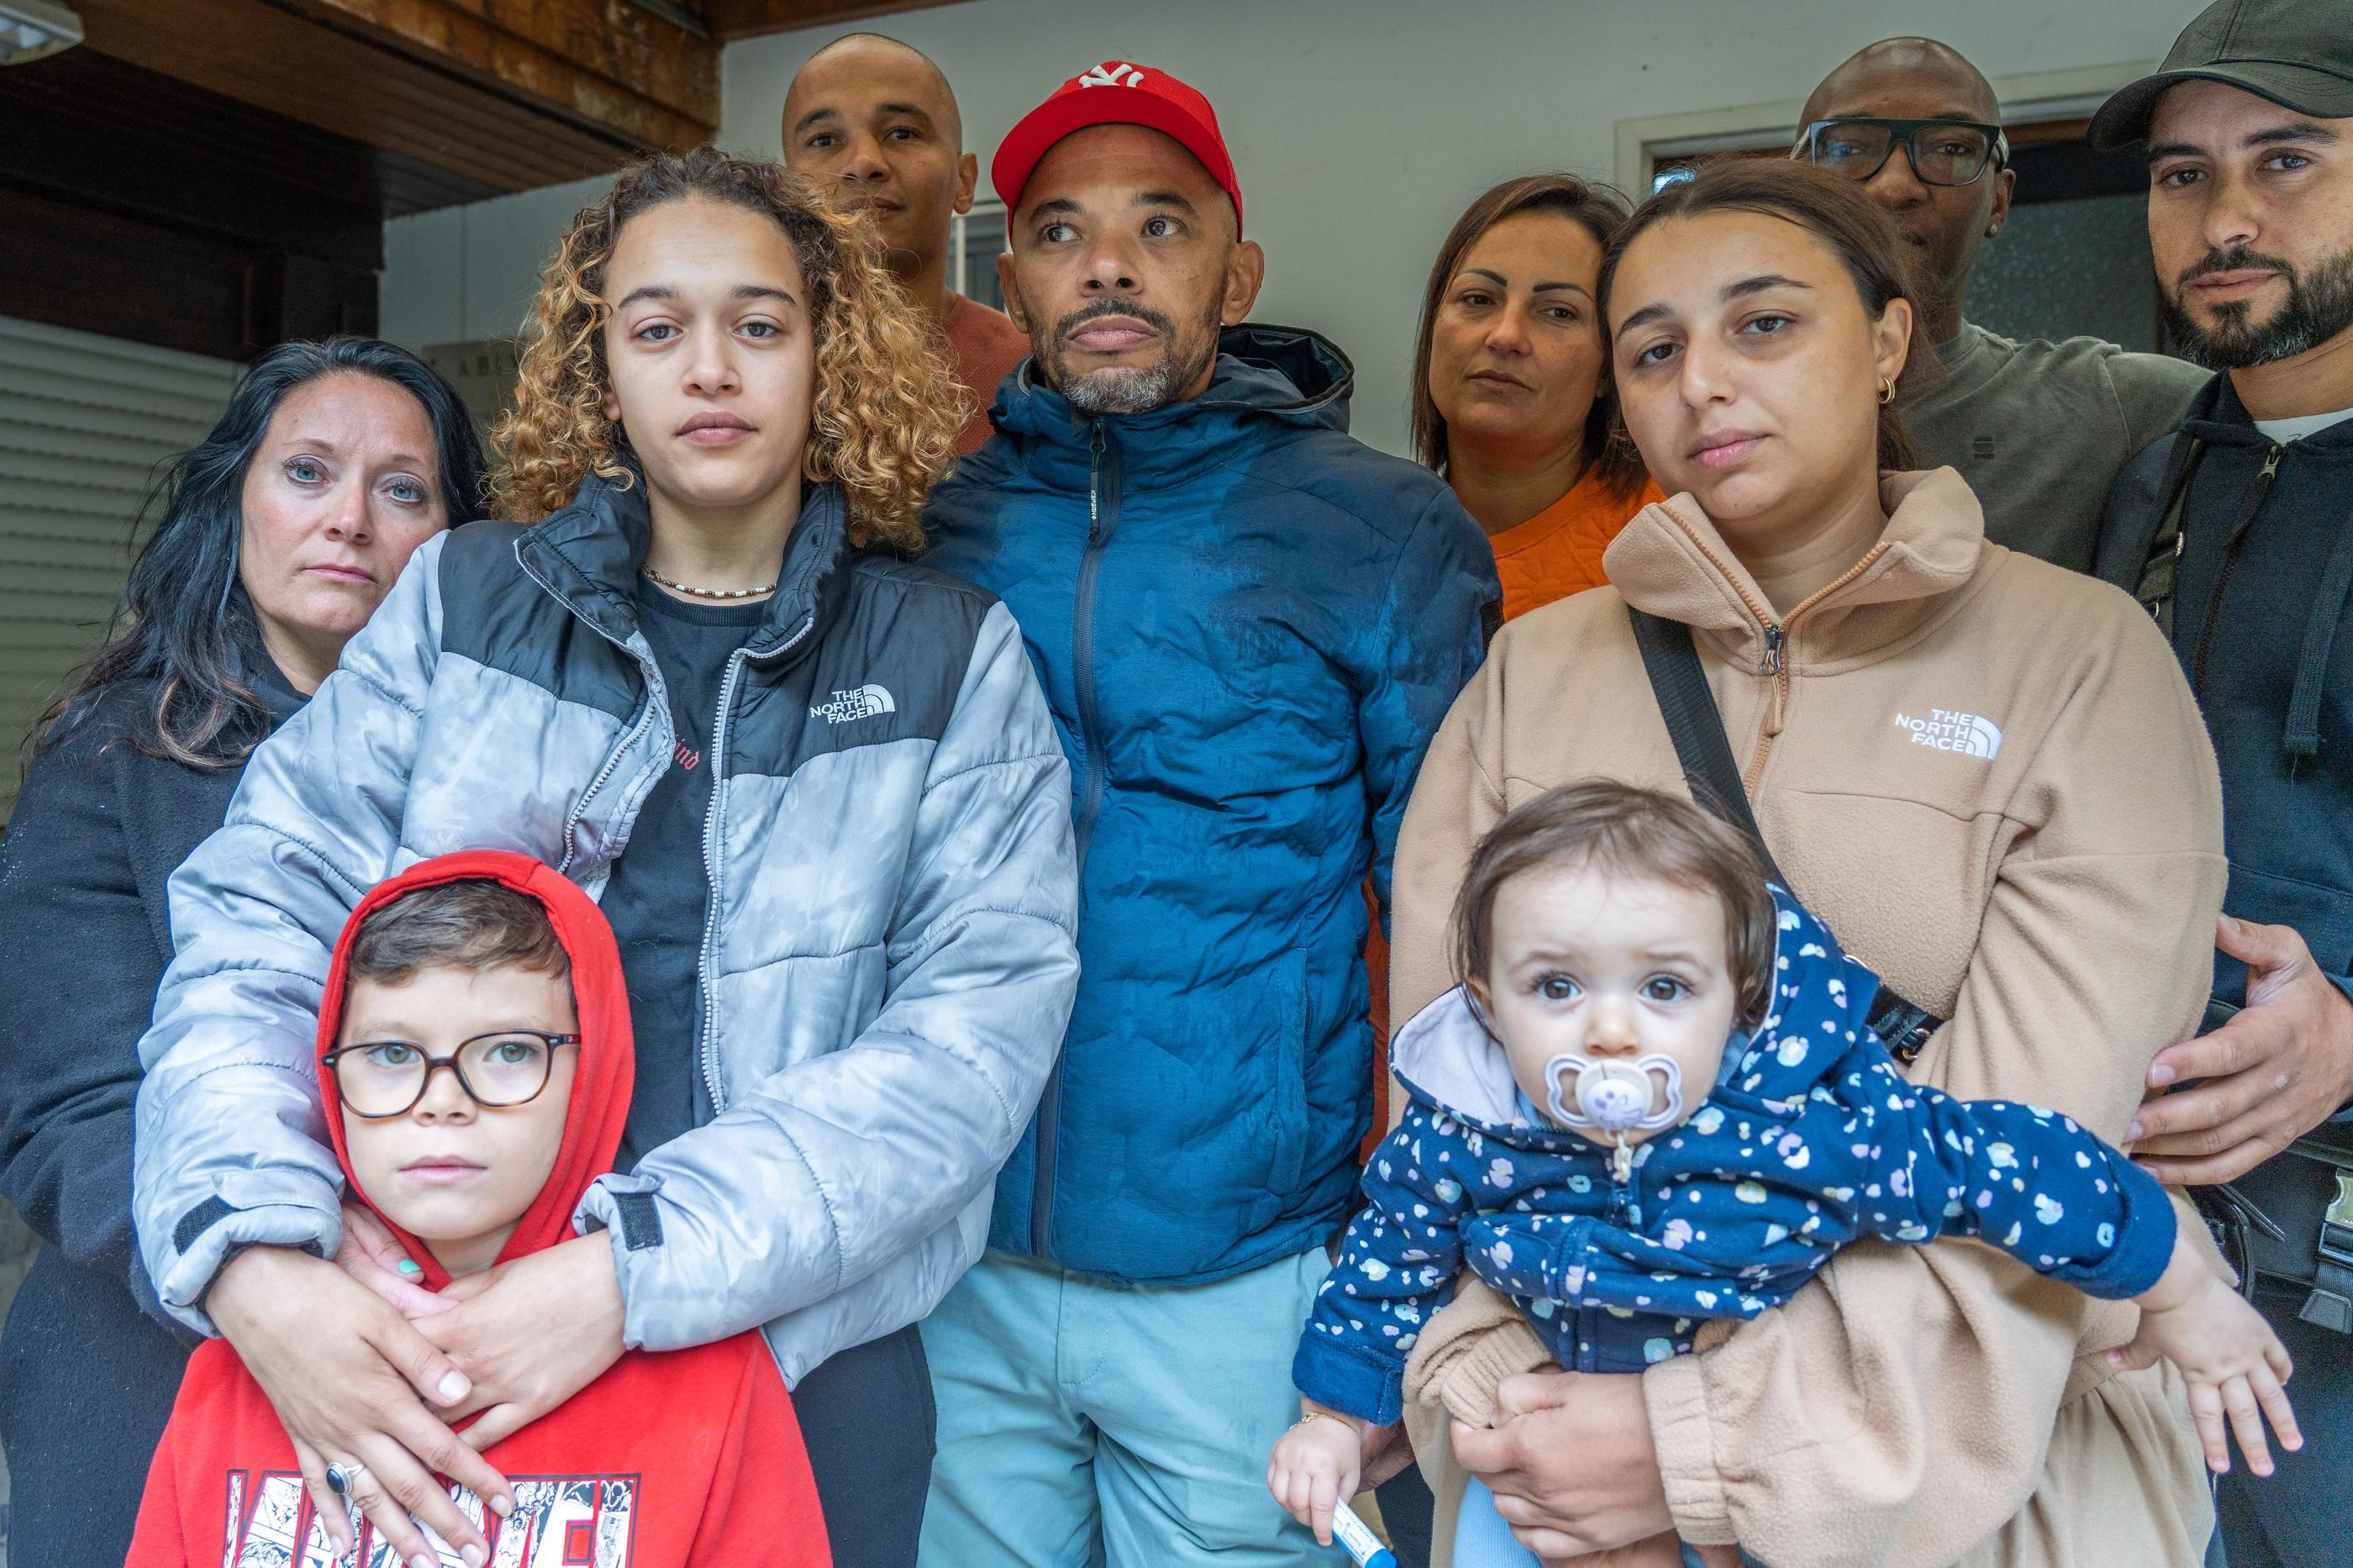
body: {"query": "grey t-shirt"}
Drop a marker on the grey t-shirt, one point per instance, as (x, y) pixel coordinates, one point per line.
(2040, 430)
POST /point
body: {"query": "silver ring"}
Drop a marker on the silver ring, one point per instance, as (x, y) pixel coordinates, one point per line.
(341, 1477)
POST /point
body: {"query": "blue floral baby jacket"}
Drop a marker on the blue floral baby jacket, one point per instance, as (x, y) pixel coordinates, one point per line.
(1811, 1139)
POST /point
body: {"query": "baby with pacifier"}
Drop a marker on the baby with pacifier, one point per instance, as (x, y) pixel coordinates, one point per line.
(1653, 1100)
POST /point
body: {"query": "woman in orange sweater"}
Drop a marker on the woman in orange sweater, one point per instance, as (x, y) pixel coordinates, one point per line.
(1511, 403)
(1510, 398)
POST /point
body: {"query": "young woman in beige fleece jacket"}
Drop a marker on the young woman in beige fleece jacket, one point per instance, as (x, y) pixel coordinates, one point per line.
(1987, 776)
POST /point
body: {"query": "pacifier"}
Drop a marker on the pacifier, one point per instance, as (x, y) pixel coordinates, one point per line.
(1615, 1095)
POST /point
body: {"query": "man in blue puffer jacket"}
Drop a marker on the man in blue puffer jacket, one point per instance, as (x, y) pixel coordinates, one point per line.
(1248, 625)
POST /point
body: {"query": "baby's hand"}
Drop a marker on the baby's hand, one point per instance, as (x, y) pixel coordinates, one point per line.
(1315, 1465)
(2233, 1362)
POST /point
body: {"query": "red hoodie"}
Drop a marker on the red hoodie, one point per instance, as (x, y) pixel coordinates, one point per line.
(673, 1458)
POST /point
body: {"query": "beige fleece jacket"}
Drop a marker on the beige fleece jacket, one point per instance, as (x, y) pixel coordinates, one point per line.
(1988, 778)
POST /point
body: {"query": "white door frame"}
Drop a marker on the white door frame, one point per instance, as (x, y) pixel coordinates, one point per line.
(2029, 99)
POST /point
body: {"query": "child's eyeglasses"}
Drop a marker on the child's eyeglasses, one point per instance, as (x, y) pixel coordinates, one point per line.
(379, 1078)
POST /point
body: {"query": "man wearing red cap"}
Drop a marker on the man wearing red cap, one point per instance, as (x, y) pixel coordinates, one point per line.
(1247, 626)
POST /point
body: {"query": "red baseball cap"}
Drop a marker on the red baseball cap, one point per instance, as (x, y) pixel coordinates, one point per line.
(1116, 92)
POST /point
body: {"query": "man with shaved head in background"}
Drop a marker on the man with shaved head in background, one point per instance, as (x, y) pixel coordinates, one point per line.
(2039, 429)
(877, 115)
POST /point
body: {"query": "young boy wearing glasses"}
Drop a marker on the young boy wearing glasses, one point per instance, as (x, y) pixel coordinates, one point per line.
(475, 1067)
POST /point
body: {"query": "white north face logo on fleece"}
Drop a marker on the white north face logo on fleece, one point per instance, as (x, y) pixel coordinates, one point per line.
(866, 702)
(1945, 729)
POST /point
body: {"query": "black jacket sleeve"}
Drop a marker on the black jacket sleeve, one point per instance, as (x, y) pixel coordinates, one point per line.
(79, 961)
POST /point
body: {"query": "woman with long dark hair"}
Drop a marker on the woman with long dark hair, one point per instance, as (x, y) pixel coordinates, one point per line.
(1989, 778)
(274, 540)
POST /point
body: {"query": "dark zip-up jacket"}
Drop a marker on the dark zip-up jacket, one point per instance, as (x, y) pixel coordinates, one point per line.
(1248, 625)
(86, 1376)
(2263, 598)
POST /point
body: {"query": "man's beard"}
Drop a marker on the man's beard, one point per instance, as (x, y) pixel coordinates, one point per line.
(1122, 389)
(2317, 309)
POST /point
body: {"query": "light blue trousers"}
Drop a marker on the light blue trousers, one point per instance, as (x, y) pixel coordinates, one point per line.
(1089, 1425)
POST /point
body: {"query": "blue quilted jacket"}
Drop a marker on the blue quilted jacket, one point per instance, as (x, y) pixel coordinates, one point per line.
(1248, 625)
(1812, 1139)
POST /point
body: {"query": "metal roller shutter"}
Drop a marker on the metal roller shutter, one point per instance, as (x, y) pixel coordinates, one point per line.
(86, 423)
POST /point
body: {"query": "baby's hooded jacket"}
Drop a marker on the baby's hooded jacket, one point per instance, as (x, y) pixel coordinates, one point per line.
(1811, 1139)
(670, 1458)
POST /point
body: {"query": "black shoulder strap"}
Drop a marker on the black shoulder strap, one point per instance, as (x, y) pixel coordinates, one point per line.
(1696, 727)
(2160, 567)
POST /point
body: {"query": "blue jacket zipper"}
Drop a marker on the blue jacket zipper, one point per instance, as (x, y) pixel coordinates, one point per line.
(1102, 518)
(1592, 1322)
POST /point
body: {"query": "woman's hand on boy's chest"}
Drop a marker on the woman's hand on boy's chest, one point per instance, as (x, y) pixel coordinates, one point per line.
(531, 1333)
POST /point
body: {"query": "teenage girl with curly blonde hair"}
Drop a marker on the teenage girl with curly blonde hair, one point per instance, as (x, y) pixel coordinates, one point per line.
(816, 790)
(880, 426)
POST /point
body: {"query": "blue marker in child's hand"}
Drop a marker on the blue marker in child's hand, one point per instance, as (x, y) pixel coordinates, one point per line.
(1362, 1544)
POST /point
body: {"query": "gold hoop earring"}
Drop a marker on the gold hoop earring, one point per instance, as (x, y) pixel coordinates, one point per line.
(1886, 390)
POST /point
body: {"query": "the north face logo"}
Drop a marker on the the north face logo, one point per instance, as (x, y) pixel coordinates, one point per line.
(1112, 73)
(1945, 730)
(866, 702)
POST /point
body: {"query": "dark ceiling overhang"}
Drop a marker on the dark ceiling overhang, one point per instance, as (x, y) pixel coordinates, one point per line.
(730, 19)
(497, 95)
(503, 95)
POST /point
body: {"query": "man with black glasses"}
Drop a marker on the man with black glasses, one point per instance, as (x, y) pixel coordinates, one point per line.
(2237, 534)
(2039, 429)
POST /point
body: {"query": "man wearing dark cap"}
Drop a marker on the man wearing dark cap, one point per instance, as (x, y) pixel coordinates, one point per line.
(1248, 625)
(2237, 532)
(2039, 429)
(876, 115)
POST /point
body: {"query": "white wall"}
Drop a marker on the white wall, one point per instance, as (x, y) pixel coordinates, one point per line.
(466, 273)
(1359, 127)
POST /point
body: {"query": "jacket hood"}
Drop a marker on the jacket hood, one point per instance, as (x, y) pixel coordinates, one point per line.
(1284, 373)
(607, 1066)
(2217, 417)
(1672, 561)
(1447, 1059)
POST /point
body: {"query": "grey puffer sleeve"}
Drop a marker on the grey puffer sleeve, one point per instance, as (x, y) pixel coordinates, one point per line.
(845, 1194)
(230, 1148)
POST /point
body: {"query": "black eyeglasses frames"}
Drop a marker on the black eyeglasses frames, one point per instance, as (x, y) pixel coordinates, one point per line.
(1942, 151)
(381, 1078)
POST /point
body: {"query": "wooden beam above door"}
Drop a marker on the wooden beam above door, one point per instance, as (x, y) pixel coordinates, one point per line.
(732, 19)
(510, 94)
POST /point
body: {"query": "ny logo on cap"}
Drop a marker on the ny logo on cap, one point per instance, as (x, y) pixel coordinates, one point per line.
(1112, 73)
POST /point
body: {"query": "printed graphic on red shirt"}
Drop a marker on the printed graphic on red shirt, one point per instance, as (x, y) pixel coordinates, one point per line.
(559, 1521)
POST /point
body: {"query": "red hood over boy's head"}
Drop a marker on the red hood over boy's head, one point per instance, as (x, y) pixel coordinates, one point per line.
(606, 1066)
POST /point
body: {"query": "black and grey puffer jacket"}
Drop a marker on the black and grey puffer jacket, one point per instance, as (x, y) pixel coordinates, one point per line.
(887, 971)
